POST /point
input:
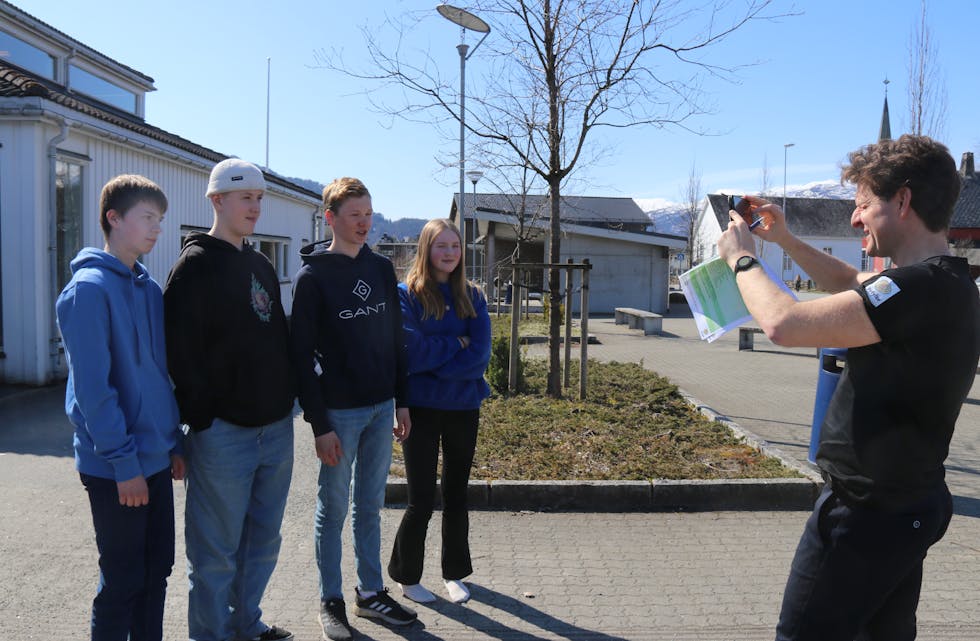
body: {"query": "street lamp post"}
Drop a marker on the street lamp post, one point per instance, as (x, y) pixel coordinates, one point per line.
(465, 20)
(474, 175)
(785, 151)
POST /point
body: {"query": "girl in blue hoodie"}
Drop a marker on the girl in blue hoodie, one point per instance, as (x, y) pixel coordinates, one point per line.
(122, 406)
(447, 335)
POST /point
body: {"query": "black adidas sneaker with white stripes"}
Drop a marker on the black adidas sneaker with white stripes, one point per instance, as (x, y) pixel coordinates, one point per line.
(382, 606)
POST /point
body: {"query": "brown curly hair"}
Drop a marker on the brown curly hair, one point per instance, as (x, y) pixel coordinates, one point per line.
(917, 162)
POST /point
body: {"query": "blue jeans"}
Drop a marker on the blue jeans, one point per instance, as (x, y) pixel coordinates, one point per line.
(136, 554)
(237, 482)
(365, 437)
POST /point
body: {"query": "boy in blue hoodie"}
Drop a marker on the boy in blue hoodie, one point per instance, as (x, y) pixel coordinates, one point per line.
(121, 402)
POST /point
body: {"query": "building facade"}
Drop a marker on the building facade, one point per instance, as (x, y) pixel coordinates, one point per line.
(630, 263)
(70, 120)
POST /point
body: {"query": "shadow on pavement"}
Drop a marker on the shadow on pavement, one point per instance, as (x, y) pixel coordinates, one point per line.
(34, 422)
(495, 629)
(966, 506)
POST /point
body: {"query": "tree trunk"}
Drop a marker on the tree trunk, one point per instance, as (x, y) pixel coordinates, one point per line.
(554, 293)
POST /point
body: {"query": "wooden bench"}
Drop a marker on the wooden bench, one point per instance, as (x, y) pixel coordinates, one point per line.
(649, 322)
(746, 337)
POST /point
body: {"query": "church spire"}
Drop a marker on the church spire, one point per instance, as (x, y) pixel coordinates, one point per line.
(885, 133)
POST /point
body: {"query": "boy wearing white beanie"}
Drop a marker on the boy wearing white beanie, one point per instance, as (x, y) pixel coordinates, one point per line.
(227, 348)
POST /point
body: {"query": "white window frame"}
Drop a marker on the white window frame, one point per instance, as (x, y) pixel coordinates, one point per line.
(279, 255)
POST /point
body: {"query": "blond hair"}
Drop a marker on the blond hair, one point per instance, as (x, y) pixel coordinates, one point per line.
(422, 283)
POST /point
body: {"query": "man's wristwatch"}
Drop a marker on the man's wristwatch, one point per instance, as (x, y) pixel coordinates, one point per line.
(745, 263)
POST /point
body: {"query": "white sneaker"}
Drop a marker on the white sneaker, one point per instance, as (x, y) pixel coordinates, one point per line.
(458, 592)
(417, 593)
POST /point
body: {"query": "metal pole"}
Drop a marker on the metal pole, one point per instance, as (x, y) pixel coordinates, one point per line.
(473, 234)
(474, 177)
(268, 92)
(785, 153)
(462, 48)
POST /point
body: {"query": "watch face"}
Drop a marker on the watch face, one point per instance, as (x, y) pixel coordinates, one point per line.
(744, 263)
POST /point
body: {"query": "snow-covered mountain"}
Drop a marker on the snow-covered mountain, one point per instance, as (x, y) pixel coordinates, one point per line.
(670, 217)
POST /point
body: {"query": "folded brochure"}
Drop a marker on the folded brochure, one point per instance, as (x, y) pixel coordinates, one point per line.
(715, 301)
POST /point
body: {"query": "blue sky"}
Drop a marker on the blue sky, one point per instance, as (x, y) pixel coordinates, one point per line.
(817, 84)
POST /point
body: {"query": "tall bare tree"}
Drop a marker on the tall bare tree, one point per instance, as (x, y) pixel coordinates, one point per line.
(692, 198)
(927, 85)
(765, 178)
(557, 71)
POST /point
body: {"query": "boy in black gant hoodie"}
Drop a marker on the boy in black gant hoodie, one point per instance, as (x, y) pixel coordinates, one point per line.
(349, 356)
(228, 353)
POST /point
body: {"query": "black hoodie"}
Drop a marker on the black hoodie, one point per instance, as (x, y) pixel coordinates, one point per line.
(227, 337)
(346, 333)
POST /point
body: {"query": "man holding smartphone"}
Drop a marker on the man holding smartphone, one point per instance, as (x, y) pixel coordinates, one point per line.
(913, 339)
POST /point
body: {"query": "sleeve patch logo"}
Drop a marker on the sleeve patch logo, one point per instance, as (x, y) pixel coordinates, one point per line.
(881, 290)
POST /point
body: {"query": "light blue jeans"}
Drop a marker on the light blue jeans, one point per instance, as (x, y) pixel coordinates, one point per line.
(365, 437)
(237, 483)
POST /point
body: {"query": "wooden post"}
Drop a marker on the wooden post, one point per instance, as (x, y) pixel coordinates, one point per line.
(515, 315)
(568, 324)
(584, 331)
(527, 294)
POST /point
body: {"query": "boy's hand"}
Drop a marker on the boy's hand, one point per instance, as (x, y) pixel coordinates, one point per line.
(403, 424)
(134, 492)
(328, 448)
(178, 468)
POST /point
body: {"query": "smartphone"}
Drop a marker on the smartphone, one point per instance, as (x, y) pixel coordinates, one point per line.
(742, 206)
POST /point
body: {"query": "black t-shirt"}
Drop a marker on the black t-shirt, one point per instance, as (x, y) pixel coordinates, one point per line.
(888, 427)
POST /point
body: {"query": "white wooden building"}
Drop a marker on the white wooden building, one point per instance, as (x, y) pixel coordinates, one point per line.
(822, 223)
(70, 120)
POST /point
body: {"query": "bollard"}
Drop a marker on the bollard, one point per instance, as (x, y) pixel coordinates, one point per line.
(830, 368)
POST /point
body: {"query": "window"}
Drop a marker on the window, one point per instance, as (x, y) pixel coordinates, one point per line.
(787, 262)
(68, 200)
(100, 89)
(26, 56)
(276, 249)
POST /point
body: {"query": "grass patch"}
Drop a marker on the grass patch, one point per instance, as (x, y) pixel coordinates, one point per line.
(536, 325)
(634, 426)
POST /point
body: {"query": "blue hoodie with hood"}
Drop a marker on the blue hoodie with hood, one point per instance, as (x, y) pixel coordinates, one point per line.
(119, 396)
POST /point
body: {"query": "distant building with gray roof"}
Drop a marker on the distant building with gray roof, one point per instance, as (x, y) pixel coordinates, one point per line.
(630, 261)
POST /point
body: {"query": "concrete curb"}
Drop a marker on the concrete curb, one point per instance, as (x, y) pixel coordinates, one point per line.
(630, 496)
(646, 496)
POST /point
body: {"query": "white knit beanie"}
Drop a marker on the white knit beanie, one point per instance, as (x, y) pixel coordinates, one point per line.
(235, 174)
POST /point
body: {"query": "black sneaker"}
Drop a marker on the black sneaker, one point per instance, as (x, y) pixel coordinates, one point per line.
(333, 619)
(382, 606)
(275, 633)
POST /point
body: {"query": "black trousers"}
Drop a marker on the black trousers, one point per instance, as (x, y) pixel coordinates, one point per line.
(456, 430)
(858, 571)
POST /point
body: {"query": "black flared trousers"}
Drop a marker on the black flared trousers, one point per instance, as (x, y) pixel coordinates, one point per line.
(456, 431)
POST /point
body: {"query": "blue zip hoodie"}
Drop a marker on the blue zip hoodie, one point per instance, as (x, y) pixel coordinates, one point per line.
(441, 374)
(119, 396)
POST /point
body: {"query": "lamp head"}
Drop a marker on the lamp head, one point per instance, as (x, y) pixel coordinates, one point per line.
(463, 18)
